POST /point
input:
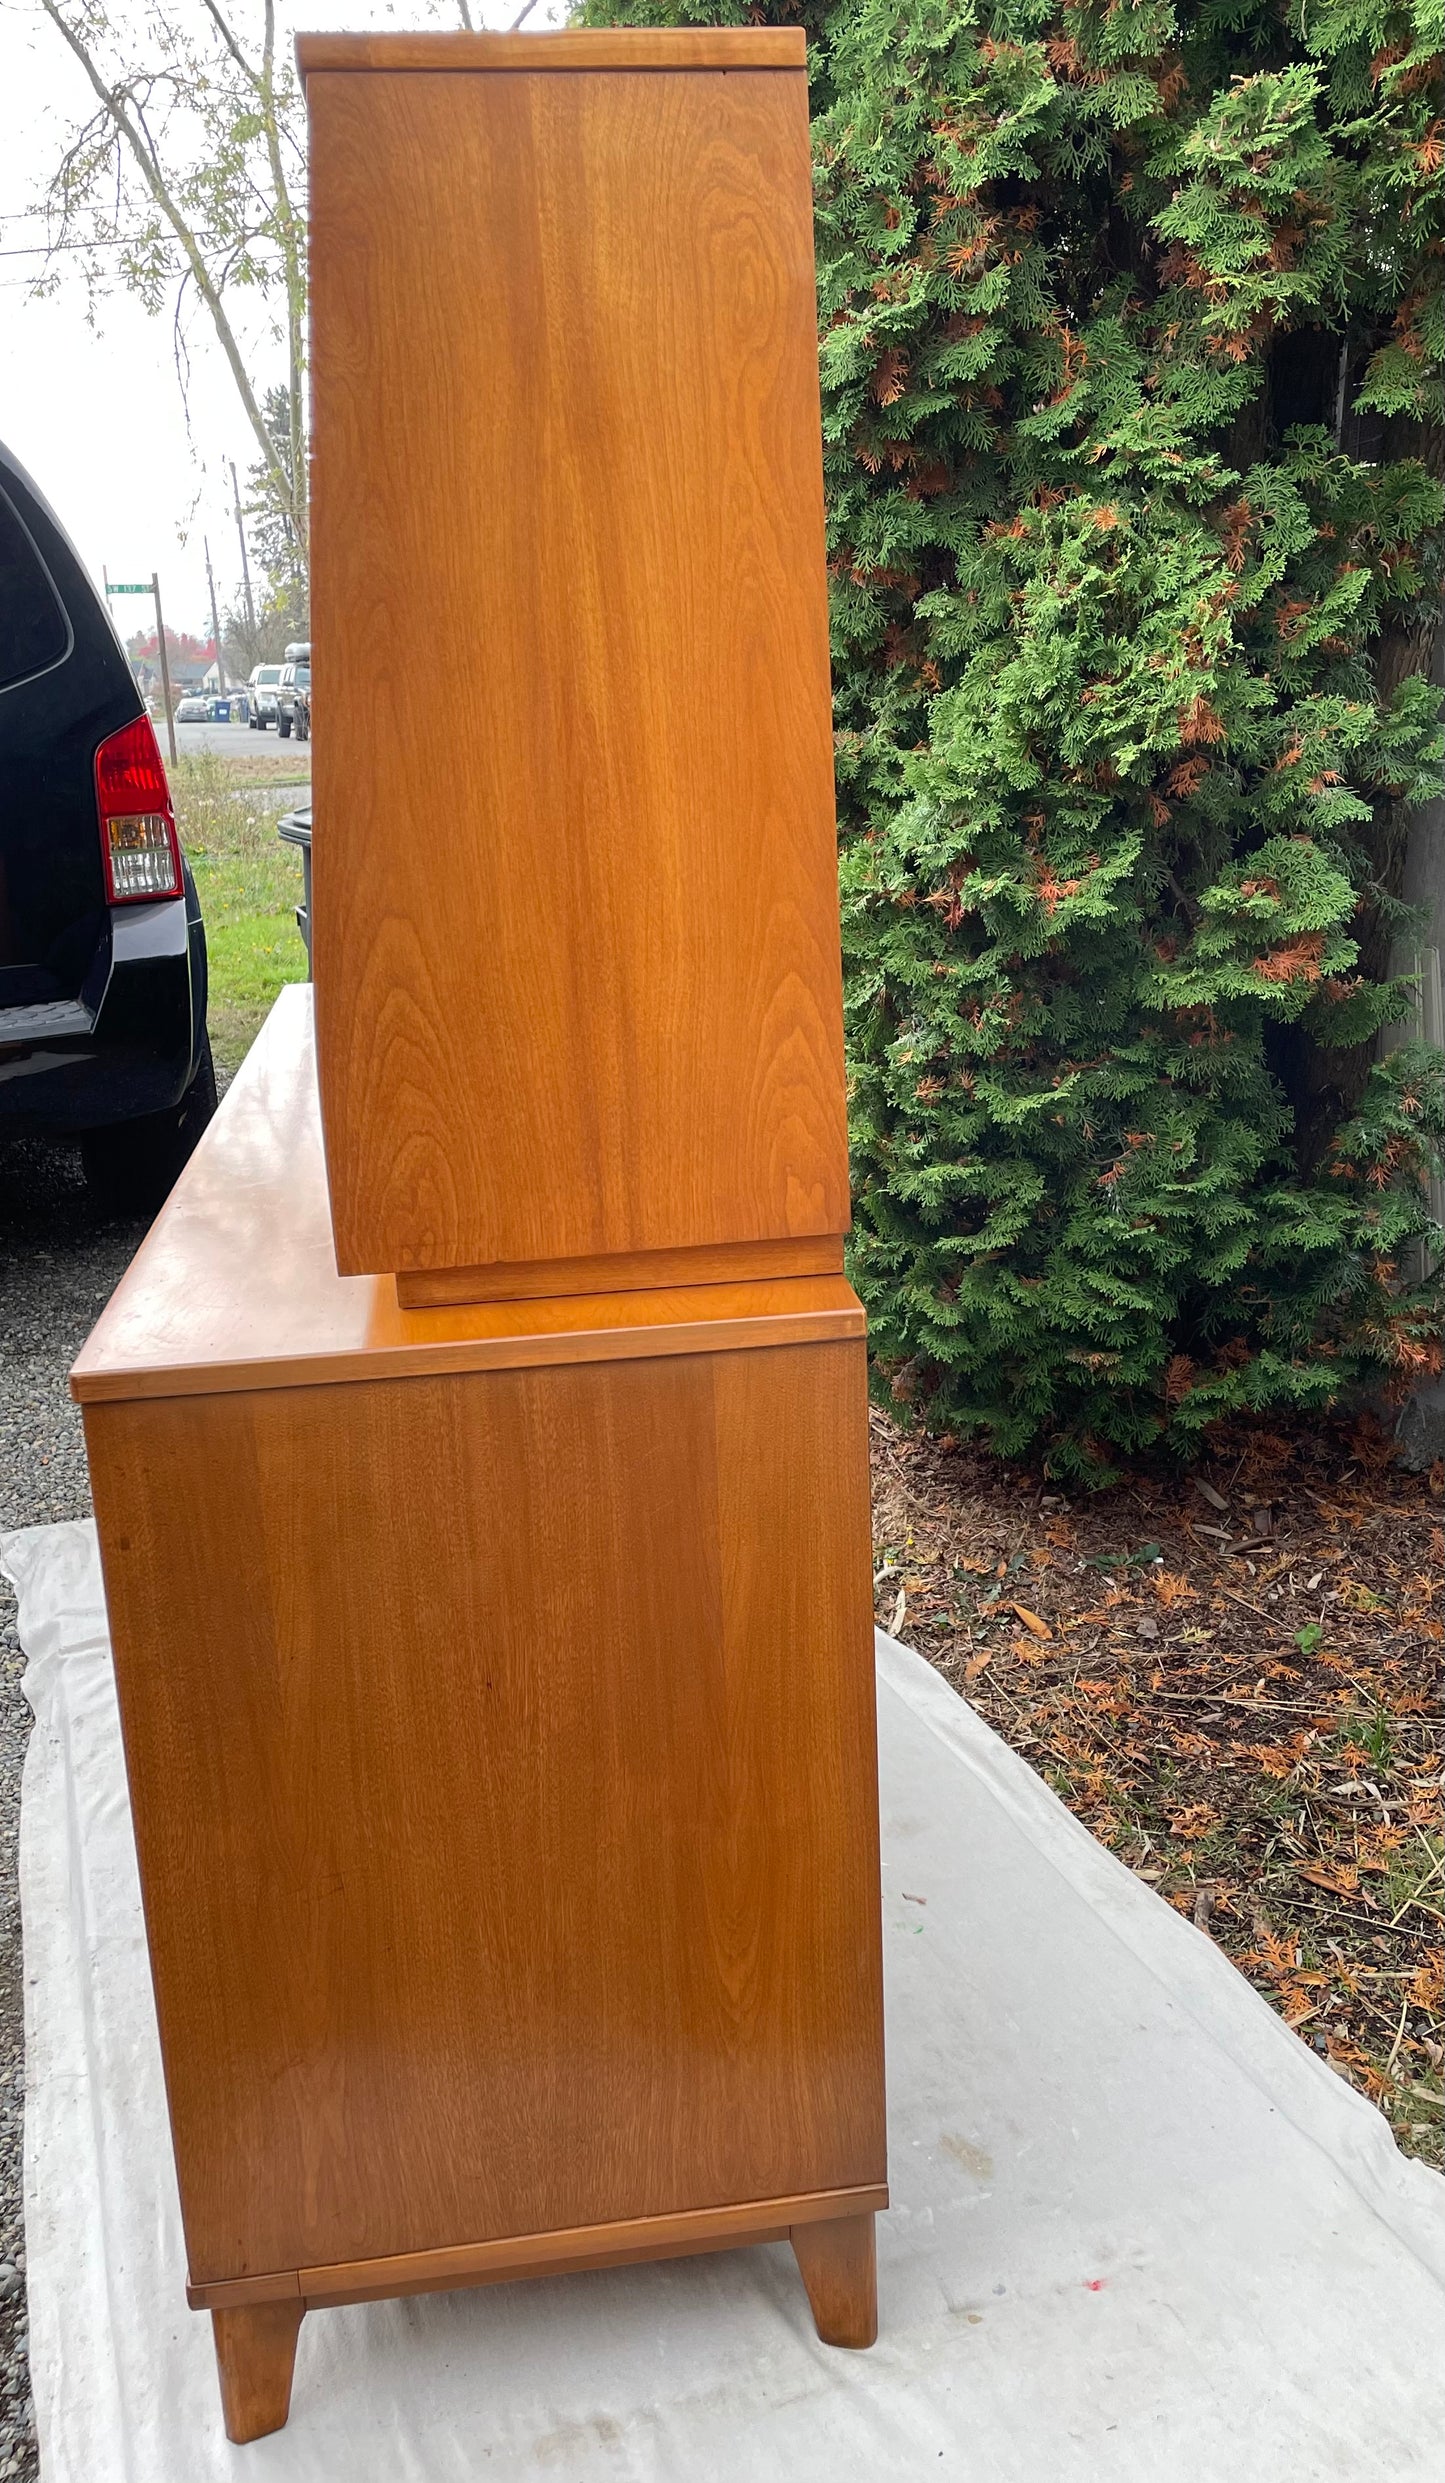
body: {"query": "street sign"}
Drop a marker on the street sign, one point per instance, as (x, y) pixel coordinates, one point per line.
(113, 589)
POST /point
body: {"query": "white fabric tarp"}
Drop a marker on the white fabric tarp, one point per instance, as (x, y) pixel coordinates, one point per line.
(1139, 2230)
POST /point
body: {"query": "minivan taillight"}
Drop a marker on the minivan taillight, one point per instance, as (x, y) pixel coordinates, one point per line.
(138, 841)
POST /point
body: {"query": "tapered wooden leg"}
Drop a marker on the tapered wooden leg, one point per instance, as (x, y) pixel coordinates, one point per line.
(839, 2266)
(255, 2357)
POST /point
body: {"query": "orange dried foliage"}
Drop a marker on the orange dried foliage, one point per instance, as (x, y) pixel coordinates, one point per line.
(1198, 722)
(1197, 1819)
(1050, 889)
(1237, 520)
(1297, 962)
(1178, 1379)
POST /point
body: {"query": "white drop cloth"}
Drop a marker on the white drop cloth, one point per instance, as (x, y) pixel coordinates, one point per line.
(1139, 2230)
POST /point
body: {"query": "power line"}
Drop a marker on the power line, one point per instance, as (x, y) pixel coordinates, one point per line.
(45, 249)
(112, 241)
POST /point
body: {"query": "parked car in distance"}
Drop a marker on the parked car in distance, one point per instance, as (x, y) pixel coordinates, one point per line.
(195, 710)
(261, 707)
(293, 693)
(102, 947)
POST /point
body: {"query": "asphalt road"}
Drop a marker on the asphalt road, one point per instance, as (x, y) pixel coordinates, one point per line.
(237, 741)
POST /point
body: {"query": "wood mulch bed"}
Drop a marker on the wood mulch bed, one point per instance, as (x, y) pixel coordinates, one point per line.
(1234, 1680)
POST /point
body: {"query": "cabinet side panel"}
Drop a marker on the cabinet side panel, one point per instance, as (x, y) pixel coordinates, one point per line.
(575, 906)
(796, 1926)
(501, 1760)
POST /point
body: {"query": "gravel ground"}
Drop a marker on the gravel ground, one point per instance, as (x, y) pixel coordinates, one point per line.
(60, 1259)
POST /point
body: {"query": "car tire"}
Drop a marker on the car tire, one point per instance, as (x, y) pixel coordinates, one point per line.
(283, 727)
(134, 1165)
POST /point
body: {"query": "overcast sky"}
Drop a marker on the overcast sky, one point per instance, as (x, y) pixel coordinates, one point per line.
(136, 468)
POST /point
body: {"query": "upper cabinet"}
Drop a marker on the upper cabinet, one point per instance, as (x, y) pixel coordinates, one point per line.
(575, 913)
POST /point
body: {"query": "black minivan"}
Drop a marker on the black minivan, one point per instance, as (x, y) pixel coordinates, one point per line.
(102, 948)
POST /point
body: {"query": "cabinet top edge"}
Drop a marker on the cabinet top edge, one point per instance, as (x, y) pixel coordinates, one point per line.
(235, 1287)
(702, 47)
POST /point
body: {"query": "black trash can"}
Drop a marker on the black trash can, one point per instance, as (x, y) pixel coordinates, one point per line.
(295, 829)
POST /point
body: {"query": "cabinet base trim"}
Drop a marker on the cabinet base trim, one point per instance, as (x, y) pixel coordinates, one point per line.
(541, 2254)
(627, 1271)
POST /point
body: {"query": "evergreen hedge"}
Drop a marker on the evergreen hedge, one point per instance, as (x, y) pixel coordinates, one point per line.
(1131, 343)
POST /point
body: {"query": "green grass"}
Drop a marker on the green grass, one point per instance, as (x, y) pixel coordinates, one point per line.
(249, 962)
(249, 885)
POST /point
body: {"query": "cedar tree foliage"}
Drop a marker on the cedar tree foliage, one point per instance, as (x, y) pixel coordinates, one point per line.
(1131, 340)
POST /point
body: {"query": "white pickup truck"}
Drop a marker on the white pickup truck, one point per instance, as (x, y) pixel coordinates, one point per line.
(261, 697)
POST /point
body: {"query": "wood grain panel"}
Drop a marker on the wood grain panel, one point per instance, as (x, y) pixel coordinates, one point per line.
(575, 918)
(501, 1753)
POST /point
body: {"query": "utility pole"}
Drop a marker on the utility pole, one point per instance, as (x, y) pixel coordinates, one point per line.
(215, 619)
(165, 664)
(245, 565)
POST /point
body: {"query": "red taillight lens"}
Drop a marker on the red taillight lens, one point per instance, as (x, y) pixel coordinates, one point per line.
(138, 841)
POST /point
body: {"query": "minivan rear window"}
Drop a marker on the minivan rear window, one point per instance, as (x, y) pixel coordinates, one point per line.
(34, 633)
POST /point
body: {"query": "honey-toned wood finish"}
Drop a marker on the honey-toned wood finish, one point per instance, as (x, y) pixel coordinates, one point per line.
(838, 2263)
(483, 1505)
(619, 2244)
(255, 2358)
(725, 1263)
(236, 1286)
(686, 47)
(256, 2331)
(501, 1752)
(576, 955)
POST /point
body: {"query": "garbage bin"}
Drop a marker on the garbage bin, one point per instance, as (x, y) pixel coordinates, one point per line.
(295, 829)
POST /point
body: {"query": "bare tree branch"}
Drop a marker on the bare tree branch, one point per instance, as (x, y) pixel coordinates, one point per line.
(229, 39)
(295, 282)
(124, 115)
